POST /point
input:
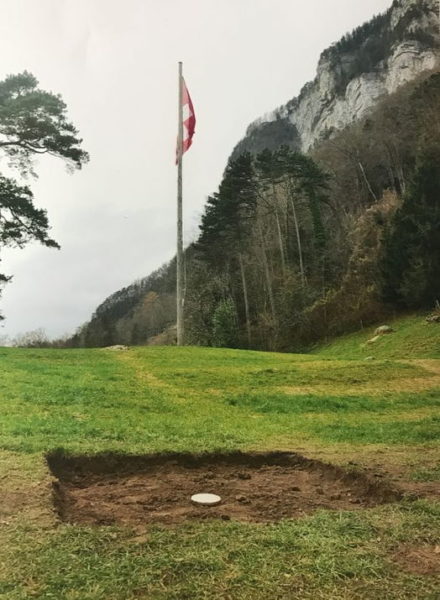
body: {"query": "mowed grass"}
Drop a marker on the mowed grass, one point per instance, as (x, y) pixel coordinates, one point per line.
(199, 400)
(158, 399)
(413, 337)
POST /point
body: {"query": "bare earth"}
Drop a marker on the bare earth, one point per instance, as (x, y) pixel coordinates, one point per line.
(253, 487)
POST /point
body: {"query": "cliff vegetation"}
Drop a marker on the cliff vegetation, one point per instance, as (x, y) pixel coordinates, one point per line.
(295, 248)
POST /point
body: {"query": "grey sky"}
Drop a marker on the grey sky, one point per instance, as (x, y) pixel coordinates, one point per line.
(115, 64)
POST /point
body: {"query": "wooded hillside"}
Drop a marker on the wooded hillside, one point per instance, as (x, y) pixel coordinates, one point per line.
(294, 247)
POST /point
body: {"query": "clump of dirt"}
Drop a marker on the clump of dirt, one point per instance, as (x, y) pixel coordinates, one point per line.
(420, 560)
(109, 488)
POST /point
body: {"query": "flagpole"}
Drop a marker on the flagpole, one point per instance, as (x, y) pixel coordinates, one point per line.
(179, 265)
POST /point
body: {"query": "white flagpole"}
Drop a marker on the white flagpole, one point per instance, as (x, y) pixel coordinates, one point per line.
(179, 265)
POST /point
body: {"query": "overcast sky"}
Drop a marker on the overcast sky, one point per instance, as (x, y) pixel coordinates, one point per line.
(115, 64)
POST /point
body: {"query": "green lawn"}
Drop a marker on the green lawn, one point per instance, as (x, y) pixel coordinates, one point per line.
(413, 337)
(383, 413)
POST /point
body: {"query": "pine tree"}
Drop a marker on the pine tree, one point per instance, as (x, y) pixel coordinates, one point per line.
(32, 122)
(411, 261)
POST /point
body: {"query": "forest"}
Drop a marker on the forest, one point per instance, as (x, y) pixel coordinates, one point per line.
(296, 248)
(361, 50)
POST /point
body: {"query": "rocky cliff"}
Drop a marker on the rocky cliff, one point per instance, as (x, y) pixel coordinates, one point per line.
(374, 60)
(334, 229)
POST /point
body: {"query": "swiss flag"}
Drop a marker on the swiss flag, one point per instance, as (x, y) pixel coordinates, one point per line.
(188, 121)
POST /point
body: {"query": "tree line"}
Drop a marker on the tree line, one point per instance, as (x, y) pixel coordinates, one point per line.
(294, 248)
(361, 50)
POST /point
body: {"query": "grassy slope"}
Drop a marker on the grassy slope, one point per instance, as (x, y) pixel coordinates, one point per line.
(413, 338)
(151, 399)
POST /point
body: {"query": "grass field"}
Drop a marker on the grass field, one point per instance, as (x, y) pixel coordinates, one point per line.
(380, 414)
(413, 338)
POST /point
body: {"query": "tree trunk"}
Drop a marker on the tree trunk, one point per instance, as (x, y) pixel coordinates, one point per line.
(370, 189)
(280, 241)
(280, 235)
(246, 301)
(298, 239)
(267, 274)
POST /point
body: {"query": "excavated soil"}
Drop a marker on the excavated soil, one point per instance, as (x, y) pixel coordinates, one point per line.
(139, 490)
(420, 560)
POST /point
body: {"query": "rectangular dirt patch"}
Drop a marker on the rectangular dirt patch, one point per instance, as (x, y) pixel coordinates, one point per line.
(116, 489)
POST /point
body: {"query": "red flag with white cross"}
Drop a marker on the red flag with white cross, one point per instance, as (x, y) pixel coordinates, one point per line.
(188, 120)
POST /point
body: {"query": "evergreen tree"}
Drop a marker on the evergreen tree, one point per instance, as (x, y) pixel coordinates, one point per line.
(228, 212)
(32, 122)
(411, 262)
(224, 325)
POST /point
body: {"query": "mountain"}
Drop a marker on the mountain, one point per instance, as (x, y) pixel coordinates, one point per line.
(133, 314)
(372, 61)
(328, 213)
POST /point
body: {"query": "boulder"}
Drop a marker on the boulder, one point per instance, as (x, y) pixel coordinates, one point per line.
(433, 319)
(383, 329)
(116, 347)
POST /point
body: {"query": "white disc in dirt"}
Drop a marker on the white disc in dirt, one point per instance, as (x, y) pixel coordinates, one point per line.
(206, 499)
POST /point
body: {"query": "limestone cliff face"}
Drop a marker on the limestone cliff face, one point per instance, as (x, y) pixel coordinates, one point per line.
(375, 60)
